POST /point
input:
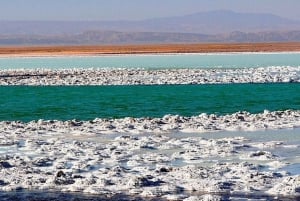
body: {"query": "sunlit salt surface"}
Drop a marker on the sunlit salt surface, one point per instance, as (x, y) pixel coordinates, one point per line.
(272, 154)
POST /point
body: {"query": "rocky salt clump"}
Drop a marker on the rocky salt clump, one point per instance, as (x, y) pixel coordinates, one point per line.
(288, 186)
(241, 121)
(79, 156)
(148, 77)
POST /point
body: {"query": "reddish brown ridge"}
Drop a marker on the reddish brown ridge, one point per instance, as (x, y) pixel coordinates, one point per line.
(144, 49)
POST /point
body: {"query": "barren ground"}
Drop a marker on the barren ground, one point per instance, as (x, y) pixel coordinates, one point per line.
(144, 49)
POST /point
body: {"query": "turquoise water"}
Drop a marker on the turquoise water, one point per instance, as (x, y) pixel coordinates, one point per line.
(231, 60)
(27, 103)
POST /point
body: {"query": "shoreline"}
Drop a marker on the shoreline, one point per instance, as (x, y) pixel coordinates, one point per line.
(66, 196)
(88, 55)
(202, 123)
(101, 50)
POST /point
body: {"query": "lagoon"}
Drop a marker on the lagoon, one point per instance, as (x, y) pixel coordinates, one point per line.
(155, 61)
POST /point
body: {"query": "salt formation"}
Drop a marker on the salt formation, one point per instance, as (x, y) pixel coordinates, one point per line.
(121, 76)
(141, 157)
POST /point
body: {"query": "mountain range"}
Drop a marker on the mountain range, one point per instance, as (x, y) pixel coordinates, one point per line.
(213, 26)
(112, 37)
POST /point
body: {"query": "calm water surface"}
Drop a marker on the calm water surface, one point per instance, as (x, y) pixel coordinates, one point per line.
(27, 103)
(230, 60)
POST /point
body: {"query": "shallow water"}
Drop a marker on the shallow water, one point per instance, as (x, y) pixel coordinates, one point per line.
(289, 153)
(230, 60)
(58, 196)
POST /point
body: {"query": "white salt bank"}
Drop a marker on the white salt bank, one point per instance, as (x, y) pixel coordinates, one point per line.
(149, 159)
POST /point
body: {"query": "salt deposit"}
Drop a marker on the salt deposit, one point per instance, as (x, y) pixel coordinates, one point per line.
(240, 121)
(148, 77)
(141, 157)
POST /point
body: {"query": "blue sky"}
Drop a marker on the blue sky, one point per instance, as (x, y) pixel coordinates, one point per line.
(135, 9)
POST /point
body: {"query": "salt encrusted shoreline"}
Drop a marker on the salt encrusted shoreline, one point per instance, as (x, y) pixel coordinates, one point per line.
(140, 157)
(121, 76)
(240, 121)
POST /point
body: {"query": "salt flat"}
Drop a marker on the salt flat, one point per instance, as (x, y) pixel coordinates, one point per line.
(149, 158)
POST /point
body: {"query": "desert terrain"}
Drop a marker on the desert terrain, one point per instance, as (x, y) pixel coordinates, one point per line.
(147, 49)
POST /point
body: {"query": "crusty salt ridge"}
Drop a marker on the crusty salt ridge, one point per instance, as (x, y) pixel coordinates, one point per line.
(110, 156)
(148, 77)
(243, 121)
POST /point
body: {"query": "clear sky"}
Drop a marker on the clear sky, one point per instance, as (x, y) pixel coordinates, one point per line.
(135, 9)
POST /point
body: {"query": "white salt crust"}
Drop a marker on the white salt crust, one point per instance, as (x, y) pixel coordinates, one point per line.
(140, 157)
(272, 74)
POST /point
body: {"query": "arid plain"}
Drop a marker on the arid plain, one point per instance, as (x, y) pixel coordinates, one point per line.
(147, 49)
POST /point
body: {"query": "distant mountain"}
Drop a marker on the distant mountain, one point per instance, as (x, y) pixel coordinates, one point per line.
(113, 37)
(104, 37)
(213, 22)
(269, 36)
(223, 21)
(213, 26)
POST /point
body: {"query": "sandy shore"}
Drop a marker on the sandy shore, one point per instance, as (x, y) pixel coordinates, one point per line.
(146, 49)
